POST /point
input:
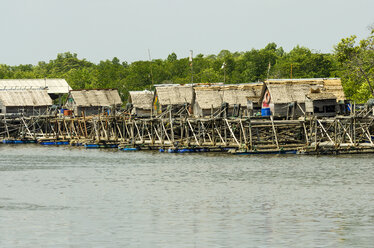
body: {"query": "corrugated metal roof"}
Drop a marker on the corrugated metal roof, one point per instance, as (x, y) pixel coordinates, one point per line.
(88, 98)
(54, 86)
(25, 98)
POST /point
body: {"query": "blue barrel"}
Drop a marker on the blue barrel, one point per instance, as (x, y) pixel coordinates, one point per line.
(265, 112)
(130, 149)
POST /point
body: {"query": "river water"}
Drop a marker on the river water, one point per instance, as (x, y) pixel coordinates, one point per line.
(71, 197)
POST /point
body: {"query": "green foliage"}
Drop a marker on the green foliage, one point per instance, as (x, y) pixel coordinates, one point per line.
(356, 60)
(304, 63)
(351, 60)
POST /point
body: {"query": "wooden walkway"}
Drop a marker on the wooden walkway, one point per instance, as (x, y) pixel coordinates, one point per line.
(345, 134)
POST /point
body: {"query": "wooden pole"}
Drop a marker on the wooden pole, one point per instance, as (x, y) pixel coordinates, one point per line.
(291, 71)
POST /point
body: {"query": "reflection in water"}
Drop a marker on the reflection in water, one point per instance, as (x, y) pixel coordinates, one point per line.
(70, 197)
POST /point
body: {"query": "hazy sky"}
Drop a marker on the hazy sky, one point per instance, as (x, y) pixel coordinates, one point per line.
(36, 30)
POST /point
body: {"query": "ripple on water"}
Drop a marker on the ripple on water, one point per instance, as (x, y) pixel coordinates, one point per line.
(62, 196)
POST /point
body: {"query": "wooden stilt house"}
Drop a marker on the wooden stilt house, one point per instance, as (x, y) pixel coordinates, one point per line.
(26, 102)
(237, 99)
(174, 97)
(55, 87)
(141, 103)
(287, 97)
(208, 101)
(93, 102)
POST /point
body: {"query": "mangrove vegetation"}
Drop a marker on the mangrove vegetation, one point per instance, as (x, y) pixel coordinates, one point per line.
(351, 59)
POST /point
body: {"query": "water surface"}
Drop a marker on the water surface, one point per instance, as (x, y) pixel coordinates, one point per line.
(71, 197)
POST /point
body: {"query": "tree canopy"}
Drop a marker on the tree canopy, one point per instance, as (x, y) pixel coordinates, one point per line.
(351, 60)
(357, 66)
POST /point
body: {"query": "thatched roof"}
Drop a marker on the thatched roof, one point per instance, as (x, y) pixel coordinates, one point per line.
(174, 94)
(102, 97)
(209, 96)
(141, 99)
(19, 98)
(53, 86)
(321, 96)
(334, 86)
(239, 94)
(291, 90)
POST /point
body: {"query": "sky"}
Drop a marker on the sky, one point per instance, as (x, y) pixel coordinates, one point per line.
(37, 30)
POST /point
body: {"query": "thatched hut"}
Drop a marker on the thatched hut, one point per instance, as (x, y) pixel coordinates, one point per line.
(239, 99)
(142, 102)
(92, 102)
(27, 102)
(285, 97)
(173, 96)
(243, 98)
(54, 86)
(208, 100)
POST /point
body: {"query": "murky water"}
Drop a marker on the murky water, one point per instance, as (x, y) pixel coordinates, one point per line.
(70, 197)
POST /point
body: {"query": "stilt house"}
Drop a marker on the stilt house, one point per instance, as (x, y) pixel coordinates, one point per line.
(93, 102)
(174, 97)
(54, 87)
(287, 97)
(142, 103)
(26, 102)
(237, 99)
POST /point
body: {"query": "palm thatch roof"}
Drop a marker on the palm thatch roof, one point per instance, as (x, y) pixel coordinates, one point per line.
(208, 96)
(291, 90)
(31, 98)
(141, 99)
(321, 96)
(334, 86)
(174, 94)
(239, 94)
(100, 97)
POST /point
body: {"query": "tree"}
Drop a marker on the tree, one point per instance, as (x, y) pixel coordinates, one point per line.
(172, 57)
(352, 61)
(357, 59)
